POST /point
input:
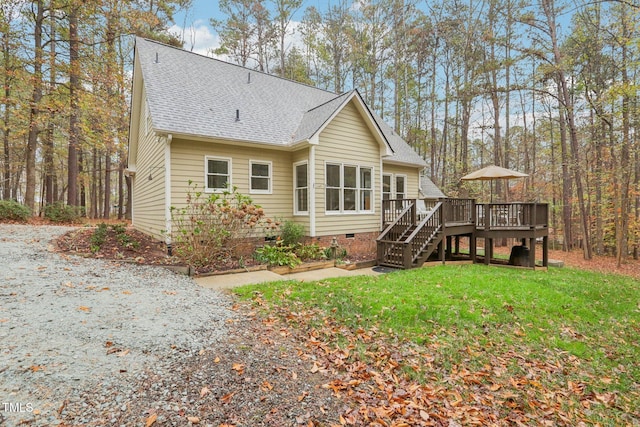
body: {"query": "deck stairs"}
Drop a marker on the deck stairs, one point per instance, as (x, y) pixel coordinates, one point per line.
(411, 238)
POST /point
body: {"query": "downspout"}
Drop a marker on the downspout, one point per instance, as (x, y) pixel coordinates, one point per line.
(312, 184)
(167, 192)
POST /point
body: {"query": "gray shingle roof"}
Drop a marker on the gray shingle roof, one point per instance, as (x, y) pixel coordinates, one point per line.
(429, 190)
(196, 95)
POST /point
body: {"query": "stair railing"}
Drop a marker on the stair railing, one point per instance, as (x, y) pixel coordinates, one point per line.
(392, 235)
(422, 236)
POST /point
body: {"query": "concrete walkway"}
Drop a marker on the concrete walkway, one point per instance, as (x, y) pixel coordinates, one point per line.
(227, 281)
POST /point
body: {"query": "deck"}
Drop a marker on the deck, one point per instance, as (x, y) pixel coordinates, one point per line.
(415, 229)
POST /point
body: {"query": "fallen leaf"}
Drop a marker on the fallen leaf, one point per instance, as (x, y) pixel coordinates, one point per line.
(169, 292)
(302, 396)
(266, 385)
(227, 397)
(193, 420)
(4, 320)
(216, 360)
(239, 368)
(123, 353)
(150, 420)
(495, 387)
(204, 391)
(108, 344)
(126, 292)
(84, 308)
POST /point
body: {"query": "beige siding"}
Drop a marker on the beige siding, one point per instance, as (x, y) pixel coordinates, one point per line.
(188, 163)
(148, 194)
(347, 140)
(412, 174)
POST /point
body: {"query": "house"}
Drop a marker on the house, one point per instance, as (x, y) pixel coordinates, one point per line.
(428, 190)
(321, 159)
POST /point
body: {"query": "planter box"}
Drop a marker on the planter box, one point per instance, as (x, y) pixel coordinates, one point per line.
(307, 266)
(357, 265)
(237, 270)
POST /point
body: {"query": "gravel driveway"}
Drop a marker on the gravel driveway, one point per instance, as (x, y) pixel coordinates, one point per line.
(72, 326)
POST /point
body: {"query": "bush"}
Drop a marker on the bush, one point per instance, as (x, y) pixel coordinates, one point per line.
(99, 237)
(278, 254)
(213, 227)
(13, 211)
(60, 212)
(291, 232)
(310, 252)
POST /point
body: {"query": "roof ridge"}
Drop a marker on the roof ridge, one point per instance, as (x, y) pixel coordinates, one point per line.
(182, 50)
(331, 100)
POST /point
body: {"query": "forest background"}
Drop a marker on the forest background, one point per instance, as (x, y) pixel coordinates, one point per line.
(546, 87)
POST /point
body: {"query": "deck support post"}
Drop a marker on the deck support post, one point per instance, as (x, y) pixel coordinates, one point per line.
(473, 245)
(545, 251)
(488, 250)
(532, 252)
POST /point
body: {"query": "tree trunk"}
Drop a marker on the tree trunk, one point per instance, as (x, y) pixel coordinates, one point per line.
(568, 107)
(34, 112)
(49, 167)
(74, 119)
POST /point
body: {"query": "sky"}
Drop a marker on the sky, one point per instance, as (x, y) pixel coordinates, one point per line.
(193, 25)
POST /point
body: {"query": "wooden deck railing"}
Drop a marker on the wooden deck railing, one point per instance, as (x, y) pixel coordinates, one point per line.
(394, 232)
(493, 216)
(459, 210)
(466, 211)
(453, 210)
(423, 235)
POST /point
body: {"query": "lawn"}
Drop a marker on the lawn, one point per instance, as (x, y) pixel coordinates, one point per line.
(474, 344)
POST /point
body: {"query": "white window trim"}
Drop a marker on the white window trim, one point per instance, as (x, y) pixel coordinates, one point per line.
(206, 175)
(391, 182)
(295, 182)
(395, 189)
(269, 177)
(361, 189)
(358, 190)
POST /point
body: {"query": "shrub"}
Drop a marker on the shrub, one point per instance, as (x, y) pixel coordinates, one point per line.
(310, 252)
(60, 212)
(278, 254)
(13, 211)
(99, 237)
(212, 227)
(291, 232)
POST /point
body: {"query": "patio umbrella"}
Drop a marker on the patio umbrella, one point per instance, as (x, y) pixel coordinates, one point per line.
(491, 173)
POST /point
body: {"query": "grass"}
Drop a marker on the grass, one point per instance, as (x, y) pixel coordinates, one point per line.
(583, 326)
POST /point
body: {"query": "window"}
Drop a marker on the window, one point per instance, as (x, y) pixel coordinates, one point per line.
(386, 187)
(218, 174)
(349, 188)
(366, 185)
(260, 177)
(301, 189)
(333, 179)
(401, 189)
